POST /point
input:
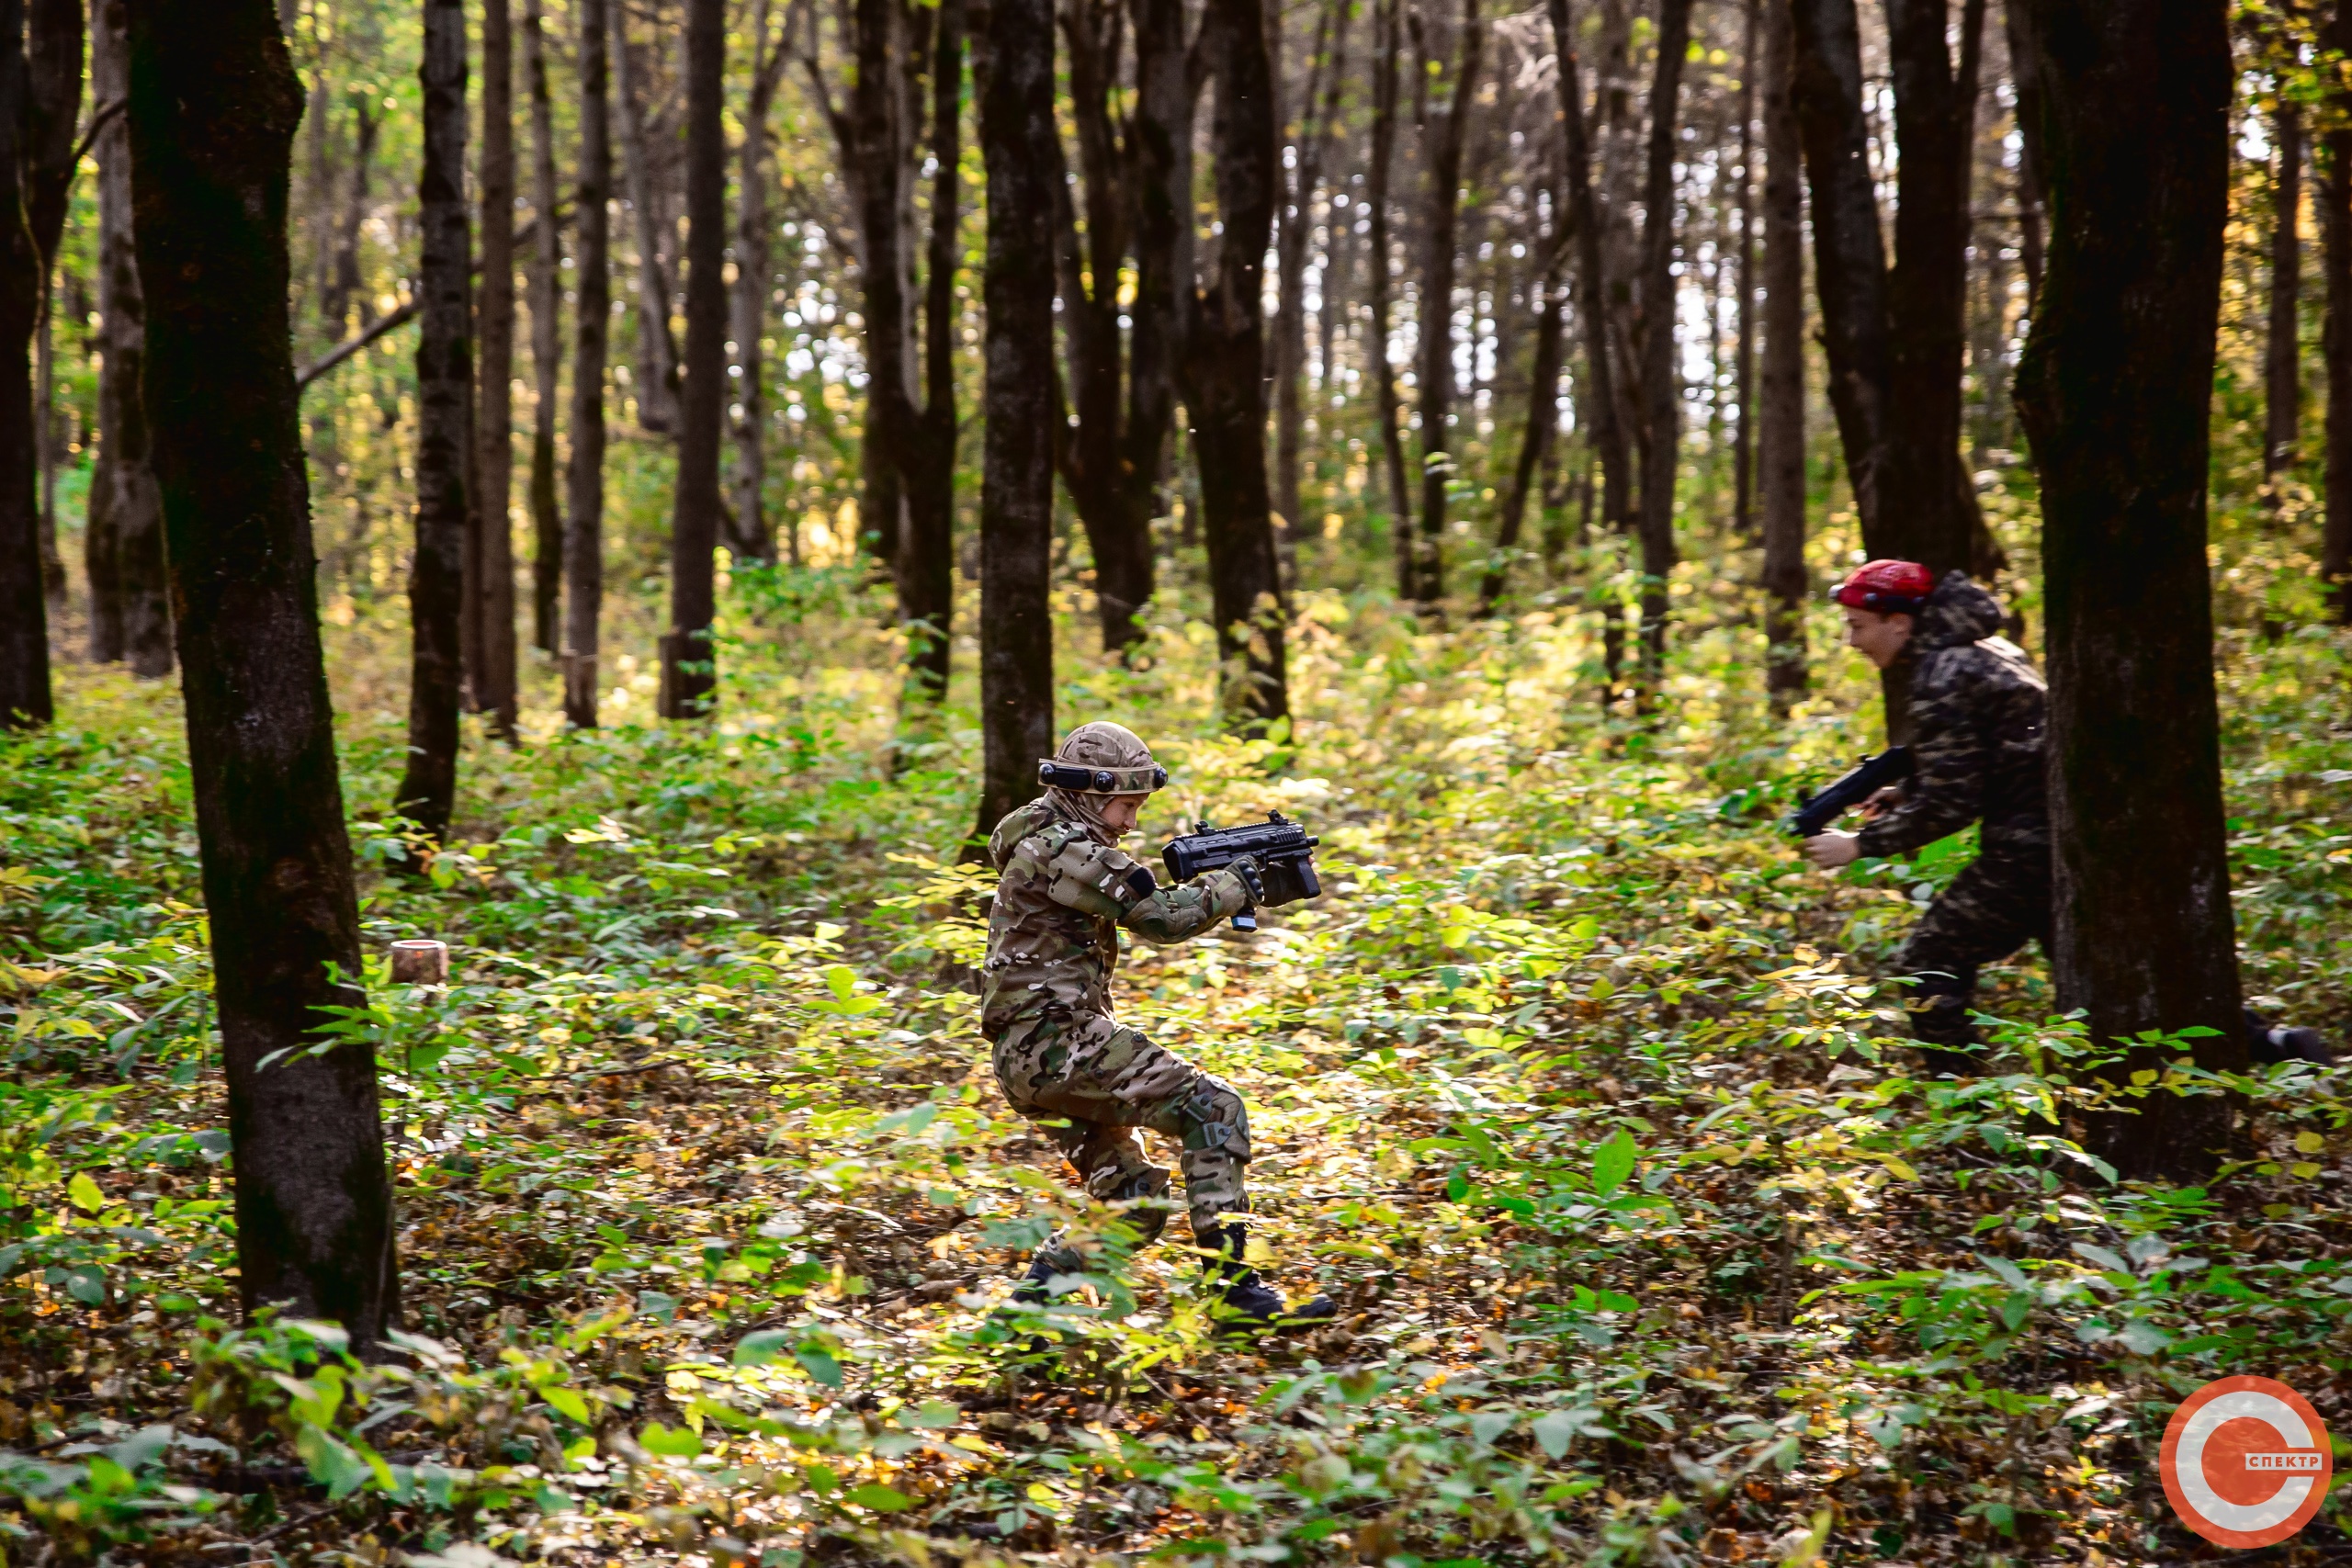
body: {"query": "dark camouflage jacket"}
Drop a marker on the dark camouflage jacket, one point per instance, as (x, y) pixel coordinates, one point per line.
(1977, 716)
(1054, 933)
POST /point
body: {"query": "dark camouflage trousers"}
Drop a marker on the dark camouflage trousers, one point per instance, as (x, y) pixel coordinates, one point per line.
(1093, 1082)
(2000, 902)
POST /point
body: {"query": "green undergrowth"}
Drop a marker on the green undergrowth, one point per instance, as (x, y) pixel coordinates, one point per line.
(1575, 1091)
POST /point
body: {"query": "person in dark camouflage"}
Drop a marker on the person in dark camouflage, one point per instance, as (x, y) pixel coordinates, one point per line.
(1065, 1061)
(1978, 711)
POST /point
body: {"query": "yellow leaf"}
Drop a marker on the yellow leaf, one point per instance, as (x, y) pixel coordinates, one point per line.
(85, 1193)
(2303, 1170)
(2309, 1142)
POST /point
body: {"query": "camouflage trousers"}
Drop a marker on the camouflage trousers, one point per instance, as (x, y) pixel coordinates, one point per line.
(1091, 1083)
(2000, 902)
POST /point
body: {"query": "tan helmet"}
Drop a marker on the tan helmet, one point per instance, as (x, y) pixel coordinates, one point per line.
(1103, 757)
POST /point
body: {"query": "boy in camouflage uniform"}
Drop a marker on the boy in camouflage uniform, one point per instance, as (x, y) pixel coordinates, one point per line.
(1062, 1057)
(1978, 712)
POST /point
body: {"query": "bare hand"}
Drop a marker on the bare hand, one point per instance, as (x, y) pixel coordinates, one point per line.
(1882, 801)
(1833, 849)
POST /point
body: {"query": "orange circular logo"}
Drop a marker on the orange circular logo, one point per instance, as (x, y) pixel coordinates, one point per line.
(2246, 1461)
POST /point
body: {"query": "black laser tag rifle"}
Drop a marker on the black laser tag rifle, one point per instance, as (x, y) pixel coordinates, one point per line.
(1281, 848)
(1868, 776)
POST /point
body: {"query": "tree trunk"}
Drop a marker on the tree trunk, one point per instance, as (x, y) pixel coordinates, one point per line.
(2283, 356)
(1160, 157)
(1930, 499)
(1654, 335)
(2025, 74)
(2115, 388)
(1743, 441)
(1779, 434)
(930, 566)
(1222, 375)
(547, 351)
(1114, 511)
(1379, 293)
(2335, 264)
(583, 538)
(1326, 72)
(1600, 404)
(656, 380)
(689, 658)
(444, 404)
(1848, 256)
(1015, 58)
(45, 444)
(24, 613)
(316, 222)
(334, 302)
(1896, 341)
(122, 490)
(876, 166)
(1543, 421)
(213, 107)
(1441, 154)
(493, 591)
(748, 537)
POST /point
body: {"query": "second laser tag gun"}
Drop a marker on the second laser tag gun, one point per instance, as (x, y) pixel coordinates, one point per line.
(1282, 850)
(1867, 777)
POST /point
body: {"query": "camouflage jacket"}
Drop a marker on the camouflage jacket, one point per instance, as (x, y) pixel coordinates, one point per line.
(1054, 933)
(1977, 716)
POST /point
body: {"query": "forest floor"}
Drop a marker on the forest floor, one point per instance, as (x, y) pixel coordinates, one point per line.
(1575, 1090)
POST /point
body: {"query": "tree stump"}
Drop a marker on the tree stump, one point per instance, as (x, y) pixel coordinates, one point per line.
(421, 961)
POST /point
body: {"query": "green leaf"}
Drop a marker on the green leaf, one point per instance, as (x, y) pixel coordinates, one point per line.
(1552, 1431)
(881, 1499)
(568, 1400)
(761, 1348)
(910, 1121)
(2102, 1257)
(1612, 1163)
(85, 1193)
(821, 1365)
(670, 1442)
(336, 1464)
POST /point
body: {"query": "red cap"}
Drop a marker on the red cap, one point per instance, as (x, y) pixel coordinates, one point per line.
(1889, 587)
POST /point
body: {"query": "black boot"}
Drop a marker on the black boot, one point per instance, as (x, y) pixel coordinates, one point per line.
(2267, 1044)
(1247, 1303)
(1031, 1290)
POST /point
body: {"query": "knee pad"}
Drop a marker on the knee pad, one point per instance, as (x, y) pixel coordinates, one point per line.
(1215, 1118)
(1147, 1219)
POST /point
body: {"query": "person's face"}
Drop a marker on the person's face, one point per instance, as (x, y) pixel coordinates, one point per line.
(1122, 810)
(1877, 637)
